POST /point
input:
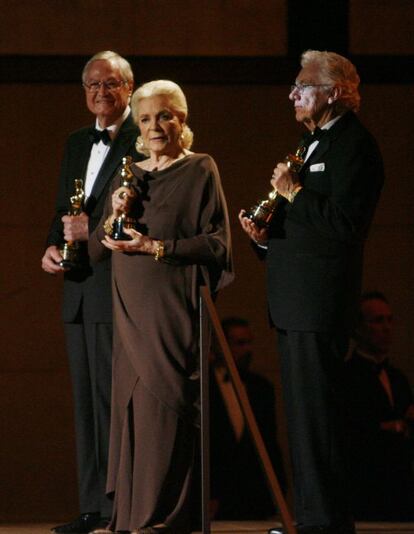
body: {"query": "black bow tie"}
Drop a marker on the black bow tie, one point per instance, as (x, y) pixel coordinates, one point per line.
(309, 137)
(99, 135)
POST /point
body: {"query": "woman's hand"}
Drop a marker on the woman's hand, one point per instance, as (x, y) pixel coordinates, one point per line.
(122, 199)
(139, 243)
(259, 235)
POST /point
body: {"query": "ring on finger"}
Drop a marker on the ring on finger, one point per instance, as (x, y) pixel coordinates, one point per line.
(122, 195)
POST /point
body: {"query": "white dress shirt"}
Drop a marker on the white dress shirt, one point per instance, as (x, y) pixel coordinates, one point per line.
(99, 152)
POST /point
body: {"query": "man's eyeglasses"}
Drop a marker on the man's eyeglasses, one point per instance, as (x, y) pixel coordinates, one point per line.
(111, 85)
(301, 87)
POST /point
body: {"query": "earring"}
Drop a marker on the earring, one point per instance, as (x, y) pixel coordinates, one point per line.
(140, 143)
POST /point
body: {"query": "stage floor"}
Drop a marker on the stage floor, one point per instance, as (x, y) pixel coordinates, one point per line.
(227, 527)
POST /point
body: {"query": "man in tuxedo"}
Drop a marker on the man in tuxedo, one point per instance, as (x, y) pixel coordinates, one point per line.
(238, 485)
(93, 154)
(314, 248)
(381, 420)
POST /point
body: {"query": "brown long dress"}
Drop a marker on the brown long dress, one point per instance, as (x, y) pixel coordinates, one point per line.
(155, 390)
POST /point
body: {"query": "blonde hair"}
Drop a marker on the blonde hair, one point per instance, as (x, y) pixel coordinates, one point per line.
(176, 100)
(114, 58)
(338, 70)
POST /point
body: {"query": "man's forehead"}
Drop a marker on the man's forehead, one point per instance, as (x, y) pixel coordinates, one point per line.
(103, 66)
(309, 74)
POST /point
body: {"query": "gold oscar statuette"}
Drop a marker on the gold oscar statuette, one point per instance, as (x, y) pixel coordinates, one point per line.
(124, 221)
(70, 251)
(262, 213)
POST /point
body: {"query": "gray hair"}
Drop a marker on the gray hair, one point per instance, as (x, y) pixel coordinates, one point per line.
(176, 99)
(338, 70)
(114, 58)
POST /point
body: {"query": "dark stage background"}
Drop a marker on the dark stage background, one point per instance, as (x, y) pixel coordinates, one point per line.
(235, 60)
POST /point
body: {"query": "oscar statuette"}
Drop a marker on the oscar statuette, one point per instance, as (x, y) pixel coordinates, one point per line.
(70, 250)
(262, 212)
(124, 221)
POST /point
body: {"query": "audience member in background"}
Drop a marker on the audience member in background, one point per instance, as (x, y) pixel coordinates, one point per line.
(238, 484)
(381, 413)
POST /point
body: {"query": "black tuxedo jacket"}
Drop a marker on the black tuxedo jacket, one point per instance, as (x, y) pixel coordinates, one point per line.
(89, 286)
(314, 258)
(380, 460)
(367, 400)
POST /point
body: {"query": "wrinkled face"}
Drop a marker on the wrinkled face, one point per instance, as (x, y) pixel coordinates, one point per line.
(240, 340)
(312, 97)
(377, 326)
(160, 125)
(107, 103)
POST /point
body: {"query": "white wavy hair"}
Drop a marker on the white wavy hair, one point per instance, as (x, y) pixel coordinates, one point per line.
(339, 71)
(176, 100)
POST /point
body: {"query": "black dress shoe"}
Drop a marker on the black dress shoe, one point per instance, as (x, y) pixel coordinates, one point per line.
(102, 527)
(81, 525)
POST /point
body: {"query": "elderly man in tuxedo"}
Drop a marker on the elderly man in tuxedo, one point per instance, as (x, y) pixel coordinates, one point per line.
(92, 154)
(314, 248)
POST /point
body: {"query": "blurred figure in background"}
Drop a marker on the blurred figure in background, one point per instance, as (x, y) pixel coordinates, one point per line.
(381, 413)
(238, 485)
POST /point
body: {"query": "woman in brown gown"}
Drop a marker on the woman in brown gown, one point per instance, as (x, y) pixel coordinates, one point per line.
(181, 241)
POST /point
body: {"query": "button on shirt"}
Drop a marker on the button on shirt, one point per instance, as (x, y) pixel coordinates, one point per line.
(99, 152)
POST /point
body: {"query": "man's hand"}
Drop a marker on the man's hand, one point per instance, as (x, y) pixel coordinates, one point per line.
(284, 180)
(75, 227)
(51, 259)
(259, 235)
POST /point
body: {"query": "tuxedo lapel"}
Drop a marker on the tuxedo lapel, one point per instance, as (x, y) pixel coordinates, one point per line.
(325, 141)
(123, 141)
(83, 151)
(320, 149)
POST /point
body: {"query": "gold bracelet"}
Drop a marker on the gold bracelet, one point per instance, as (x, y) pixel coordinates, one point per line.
(107, 225)
(159, 253)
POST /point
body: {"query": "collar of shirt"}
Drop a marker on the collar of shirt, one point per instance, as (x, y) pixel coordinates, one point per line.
(113, 129)
(329, 124)
(369, 356)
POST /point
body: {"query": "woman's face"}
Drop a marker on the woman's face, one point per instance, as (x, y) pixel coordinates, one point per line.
(160, 125)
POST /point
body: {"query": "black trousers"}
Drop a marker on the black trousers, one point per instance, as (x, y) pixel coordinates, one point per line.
(312, 375)
(89, 347)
